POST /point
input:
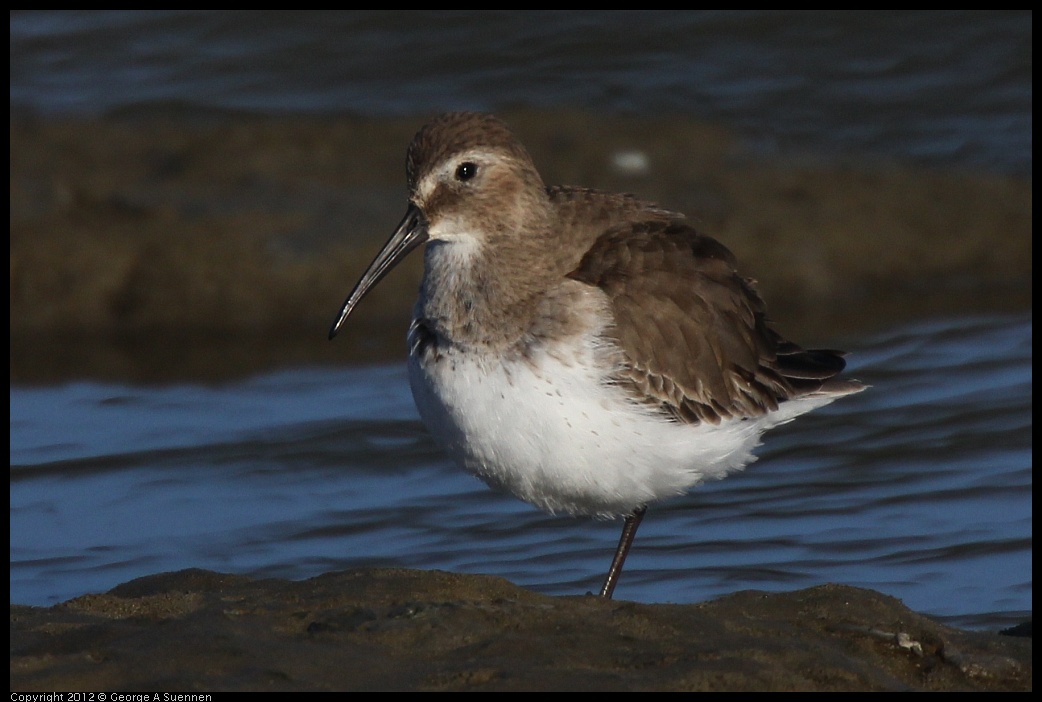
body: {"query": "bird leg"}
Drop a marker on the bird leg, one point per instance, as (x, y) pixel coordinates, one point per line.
(629, 530)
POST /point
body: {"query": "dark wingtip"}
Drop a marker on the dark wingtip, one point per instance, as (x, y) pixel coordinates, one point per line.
(815, 364)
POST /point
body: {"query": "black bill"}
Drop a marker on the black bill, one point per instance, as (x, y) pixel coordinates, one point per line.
(410, 233)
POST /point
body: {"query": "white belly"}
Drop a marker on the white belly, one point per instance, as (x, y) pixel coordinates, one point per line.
(551, 430)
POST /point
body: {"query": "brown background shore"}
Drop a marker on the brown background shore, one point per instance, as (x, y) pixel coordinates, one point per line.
(164, 247)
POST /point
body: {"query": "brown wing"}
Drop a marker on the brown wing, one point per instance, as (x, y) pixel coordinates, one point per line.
(694, 332)
(587, 214)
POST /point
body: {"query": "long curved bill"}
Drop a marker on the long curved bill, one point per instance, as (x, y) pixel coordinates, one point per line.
(410, 233)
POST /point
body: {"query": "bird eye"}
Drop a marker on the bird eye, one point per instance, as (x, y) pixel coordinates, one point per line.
(466, 171)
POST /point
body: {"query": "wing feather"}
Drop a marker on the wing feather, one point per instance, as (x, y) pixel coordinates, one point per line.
(693, 332)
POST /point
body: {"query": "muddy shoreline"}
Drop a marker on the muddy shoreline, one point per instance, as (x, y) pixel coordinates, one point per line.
(396, 629)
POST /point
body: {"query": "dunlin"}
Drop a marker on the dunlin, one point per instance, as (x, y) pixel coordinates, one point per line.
(588, 352)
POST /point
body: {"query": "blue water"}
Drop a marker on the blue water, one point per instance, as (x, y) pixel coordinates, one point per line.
(919, 487)
(947, 89)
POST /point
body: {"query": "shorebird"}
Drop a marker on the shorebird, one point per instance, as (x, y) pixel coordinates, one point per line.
(588, 352)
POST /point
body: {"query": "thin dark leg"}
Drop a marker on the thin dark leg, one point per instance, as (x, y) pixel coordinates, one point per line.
(629, 530)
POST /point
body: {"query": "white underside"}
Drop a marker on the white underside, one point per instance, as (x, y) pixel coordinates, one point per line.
(554, 432)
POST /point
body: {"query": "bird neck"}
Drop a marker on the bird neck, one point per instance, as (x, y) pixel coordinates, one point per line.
(481, 295)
